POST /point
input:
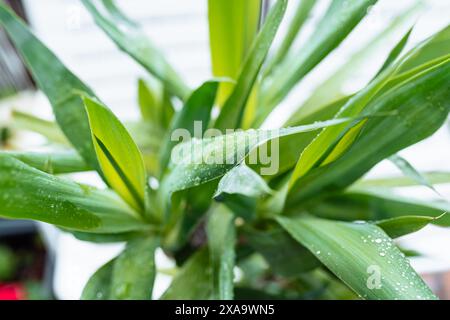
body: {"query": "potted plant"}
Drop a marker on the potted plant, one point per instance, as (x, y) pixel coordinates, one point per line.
(289, 207)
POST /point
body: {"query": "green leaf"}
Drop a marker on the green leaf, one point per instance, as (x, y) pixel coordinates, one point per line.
(183, 223)
(340, 19)
(292, 147)
(409, 171)
(432, 48)
(29, 122)
(233, 25)
(332, 89)
(197, 110)
(51, 162)
(99, 285)
(244, 181)
(56, 81)
(107, 237)
(285, 256)
(330, 143)
(232, 112)
(240, 190)
(118, 155)
(379, 204)
(193, 281)
(27, 193)
(397, 227)
(421, 106)
(129, 276)
(134, 271)
(360, 254)
(221, 241)
(149, 100)
(302, 13)
(155, 105)
(199, 161)
(405, 181)
(396, 52)
(129, 37)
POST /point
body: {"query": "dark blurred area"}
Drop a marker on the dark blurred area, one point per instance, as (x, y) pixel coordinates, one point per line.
(25, 266)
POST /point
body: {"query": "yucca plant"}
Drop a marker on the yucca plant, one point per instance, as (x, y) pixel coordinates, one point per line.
(308, 227)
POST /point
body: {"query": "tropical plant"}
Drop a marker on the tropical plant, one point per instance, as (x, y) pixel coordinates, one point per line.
(313, 229)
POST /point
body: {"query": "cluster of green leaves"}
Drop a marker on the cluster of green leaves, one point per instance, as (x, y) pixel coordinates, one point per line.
(292, 234)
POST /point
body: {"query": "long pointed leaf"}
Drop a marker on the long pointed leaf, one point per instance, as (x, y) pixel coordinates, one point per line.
(221, 241)
(232, 112)
(405, 181)
(379, 204)
(409, 171)
(27, 193)
(99, 285)
(302, 12)
(199, 161)
(396, 51)
(193, 281)
(332, 89)
(397, 227)
(196, 111)
(233, 25)
(338, 22)
(421, 106)
(244, 181)
(52, 162)
(118, 155)
(56, 81)
(131, 39)
(362, 256)
(134, 271)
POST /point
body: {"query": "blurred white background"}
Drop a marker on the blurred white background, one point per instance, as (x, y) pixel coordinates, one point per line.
(180, 29)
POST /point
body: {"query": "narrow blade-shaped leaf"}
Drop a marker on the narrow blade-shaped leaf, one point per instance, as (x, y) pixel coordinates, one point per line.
(438, 45)
(436, 177)
(56, 81)
(362, 256)
(27, 193)
(107, 237)
(335, 26)
(396, 51)
(196, 111)
(321, 148)
(49, 129)
(149, 99)
(118, 155)
(131, 39)
(244, 181)
(397, 227)
(134, 271)
(302, 13)
(52, 162)
(409, 171)
(233, 25)
(199, 161)
(332, 89)
(99, 285)
(233, 111)
(193, 281)
(285, 256)
(421, 106)
(376, 204)
(221, 241)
